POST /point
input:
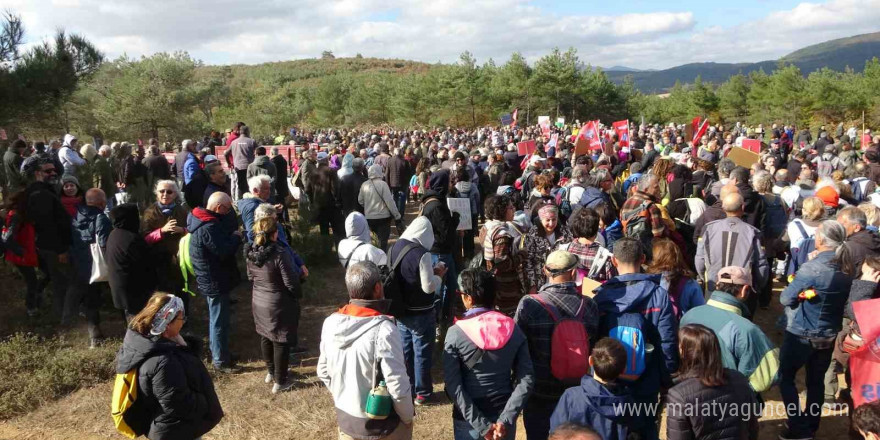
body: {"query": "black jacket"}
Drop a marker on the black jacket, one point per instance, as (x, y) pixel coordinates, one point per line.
(131, 271)
(175, 389)
(349, 187)
(276, 292)
(280, 176)
(691, 393)
(443, 221)
(397, 173)
(51, 221)
(862, 244)
(158, 168)
(754, 205)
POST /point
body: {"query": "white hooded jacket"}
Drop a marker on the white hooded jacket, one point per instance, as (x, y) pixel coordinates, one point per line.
(358, 246)
(421, 232)
(375, 196)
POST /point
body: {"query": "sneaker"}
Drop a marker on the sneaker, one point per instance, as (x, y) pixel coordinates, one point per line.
(269, 378)
(421, 400)
(227, 369)
(282, 387)
(788, 435)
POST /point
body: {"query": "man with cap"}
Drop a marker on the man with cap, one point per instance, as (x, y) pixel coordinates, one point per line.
(533, 317)
(744, 347)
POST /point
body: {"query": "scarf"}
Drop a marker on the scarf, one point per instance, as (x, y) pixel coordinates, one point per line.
(167, 209)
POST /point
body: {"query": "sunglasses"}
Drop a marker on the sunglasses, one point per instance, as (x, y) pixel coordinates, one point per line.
(166, 191)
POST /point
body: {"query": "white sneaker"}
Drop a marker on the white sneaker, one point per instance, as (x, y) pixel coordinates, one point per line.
(268, 378)
(280, 388)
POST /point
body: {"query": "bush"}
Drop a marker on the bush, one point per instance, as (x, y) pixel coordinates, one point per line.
(37, 370)
(313, 247)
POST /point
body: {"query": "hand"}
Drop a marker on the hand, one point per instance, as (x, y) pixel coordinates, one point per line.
(279, 207)
(170, 226)
(305, 271)
(500, 431)
(440, 270)
(491, 433)
(869, 274)
(178, 230)
(62, 258)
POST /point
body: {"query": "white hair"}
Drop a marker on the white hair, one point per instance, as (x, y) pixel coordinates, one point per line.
(104, 149)
(258, 181)
(173, 186)
(264, 210)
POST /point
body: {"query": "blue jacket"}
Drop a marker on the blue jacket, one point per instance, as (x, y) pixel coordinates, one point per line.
(641, 293)
(212, 242)
(246, 208)
(597, 406)
(612, 233)
(89, 224)
(822, 316)
(592, 197)
(190, 168)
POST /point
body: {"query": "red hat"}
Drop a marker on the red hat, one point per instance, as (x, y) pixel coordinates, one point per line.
(829, 196)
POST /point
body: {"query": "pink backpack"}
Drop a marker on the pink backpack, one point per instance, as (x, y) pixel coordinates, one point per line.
(569, 345)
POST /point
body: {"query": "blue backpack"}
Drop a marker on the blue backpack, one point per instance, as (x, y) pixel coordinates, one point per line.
(800, 253)
(629, 329)
(776, 217)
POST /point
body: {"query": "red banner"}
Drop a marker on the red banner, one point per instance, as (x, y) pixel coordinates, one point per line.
(622, 130)
(525, 148)
(698, 133)
(695, 124)
(593, 135)
(752, 145)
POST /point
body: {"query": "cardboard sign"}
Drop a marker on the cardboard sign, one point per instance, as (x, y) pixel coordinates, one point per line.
(463, 207)
(581, 146)
(752, 145)
(589, 286)
(743, 157)
(526, 147)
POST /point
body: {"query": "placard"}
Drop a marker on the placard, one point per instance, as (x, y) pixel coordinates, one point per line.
(588, 286)
(553, 139)
(463, 207)
(525, 148)
(581, 146)
(743, 157)
(752, 145)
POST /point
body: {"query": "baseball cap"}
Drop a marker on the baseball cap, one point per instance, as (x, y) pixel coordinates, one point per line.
(735, 275)
(560, 261)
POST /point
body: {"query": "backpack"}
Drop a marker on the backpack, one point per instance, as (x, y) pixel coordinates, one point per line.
(186, 267)
(635, 224)
(569, 343)
(801, 252)
(391, 283)
(859, 185)
(414, 185)
(629, 329)
(776, 217)
(129, 415)
(563, 201)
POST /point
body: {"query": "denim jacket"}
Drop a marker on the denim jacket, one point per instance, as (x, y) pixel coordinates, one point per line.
(822, 316)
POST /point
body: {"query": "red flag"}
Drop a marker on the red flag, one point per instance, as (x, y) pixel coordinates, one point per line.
(698, 133)
(866, 141)
(695, 124)
(622, 130)
(593, 135)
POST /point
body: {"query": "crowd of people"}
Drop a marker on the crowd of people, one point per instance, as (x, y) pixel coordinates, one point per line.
(588, 290)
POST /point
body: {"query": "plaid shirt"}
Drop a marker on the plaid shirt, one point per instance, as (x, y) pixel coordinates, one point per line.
(536, 323)
(658, 228)
(586, 254)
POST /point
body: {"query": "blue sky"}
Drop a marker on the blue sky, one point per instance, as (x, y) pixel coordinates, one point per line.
(636, 33)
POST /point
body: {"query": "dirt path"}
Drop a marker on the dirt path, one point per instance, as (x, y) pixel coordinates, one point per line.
(252, 412)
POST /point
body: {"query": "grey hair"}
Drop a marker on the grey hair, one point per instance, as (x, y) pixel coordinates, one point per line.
(361, 279)
(579, 174)
(598, 176)
(762, 182)
(264, 210)
(173, 185)
(274, 151)
(211, 167)
(185, 144)
(258, 181)
(646, 181)
(725, 167)
(833, 236)
(853, 216)
(357, 164)
(104, 149)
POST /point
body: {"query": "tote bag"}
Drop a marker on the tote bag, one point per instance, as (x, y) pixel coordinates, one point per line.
(100, 272)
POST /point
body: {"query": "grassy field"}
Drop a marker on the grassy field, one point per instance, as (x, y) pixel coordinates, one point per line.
(53, 387)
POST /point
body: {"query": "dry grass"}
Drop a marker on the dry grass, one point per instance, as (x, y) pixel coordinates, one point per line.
(252, 412)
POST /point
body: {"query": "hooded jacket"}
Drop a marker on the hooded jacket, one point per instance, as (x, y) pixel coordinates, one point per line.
(358, 245)
(641, 293)
(684, 421)
(598, 406)
(480, 352)
(822, 316)
(375, 197)
(69, 157)
(90, 225)
(862, 244)
(416, 270)
(276, 292)
(212, 242)
(355, 341)
(443, 222)
(50, 219)
(131, 272)
(174, 387)
(263, 165)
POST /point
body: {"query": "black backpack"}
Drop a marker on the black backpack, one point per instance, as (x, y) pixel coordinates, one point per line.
(636, 225)
(391, 283)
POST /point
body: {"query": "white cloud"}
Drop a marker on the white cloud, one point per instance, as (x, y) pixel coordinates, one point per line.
(223, 31)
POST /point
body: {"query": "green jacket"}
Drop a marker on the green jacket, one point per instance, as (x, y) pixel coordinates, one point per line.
(744, 347)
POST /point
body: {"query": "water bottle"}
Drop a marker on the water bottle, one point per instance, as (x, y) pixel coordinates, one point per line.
(378, 403)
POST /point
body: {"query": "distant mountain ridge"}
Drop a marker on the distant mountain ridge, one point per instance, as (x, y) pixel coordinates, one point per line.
(836, 54)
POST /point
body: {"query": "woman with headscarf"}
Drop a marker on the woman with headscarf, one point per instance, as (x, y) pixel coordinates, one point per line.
(173, 385)
(358, 246)
(379, 206)
(347, 167)
(444, 224)
(162, 228)
(128, 260)
(545, 236)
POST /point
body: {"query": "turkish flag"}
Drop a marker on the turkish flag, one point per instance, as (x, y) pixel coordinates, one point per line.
(695, 124)
(622, 130)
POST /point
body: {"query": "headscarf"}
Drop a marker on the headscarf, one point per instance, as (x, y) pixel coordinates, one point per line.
(166, 315)
(548, 210)
(347, 165)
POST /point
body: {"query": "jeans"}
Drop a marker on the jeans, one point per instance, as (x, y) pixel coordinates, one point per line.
(399, 195)
(382, 228)
(277, 357)
(31, 298)
(800, 352)
(218, 328)
(58, 272)
(443, 302)
(417, 333)
(462, 430)
(536, 417)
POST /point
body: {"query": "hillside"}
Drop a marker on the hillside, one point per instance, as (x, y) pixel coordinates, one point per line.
(835, 54)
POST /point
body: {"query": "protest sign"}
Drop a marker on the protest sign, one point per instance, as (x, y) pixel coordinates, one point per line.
(560, 122)
(506, 119)
(544, 123)
(742, 157)
(463, 207)
(752, 145)
(553, 140)
(581, 146)
(622, 130)
(526, 147)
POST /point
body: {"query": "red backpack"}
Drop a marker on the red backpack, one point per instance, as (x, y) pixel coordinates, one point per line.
(569, 345)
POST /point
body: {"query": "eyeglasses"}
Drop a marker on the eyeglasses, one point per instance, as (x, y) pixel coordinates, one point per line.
(166, 191)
